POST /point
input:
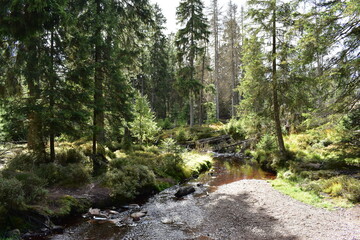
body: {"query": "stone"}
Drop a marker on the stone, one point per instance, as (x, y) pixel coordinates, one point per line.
(167, 220)
(94, 211)
(183, 191)
(131, 206)
(137, 215)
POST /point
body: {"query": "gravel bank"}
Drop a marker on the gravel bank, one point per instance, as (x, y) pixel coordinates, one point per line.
(247, 209)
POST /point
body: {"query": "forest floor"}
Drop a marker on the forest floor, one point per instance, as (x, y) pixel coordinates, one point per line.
(246, 209)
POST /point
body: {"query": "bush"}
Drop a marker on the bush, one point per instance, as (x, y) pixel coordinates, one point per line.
(343, 186)
(235, 129)
(165, 124)
(182, 135)
(126, 183)
(12, 195)
(267, 143)
(22, 162)
(168, 145)
(67, 156)
(74, 174)
(32, 186)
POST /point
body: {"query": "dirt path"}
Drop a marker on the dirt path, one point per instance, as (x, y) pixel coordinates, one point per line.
(247, 209)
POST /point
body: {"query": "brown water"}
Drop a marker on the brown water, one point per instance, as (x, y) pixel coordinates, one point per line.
(226, 169)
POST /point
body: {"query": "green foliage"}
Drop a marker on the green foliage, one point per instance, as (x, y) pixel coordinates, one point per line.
(165, 123)
(32, 186)
(290, 188)
(235, 129)
(210, 109)
(169, 145)
(22, 162)
(344, 186)
(195, 163)
(182, 135)
(127, 181)
(267, 143)
(12, 195)
(66, 205)
(143, 128)
(67, 156)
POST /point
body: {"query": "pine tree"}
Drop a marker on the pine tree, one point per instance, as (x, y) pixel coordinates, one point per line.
(143, 127)
(188, 42)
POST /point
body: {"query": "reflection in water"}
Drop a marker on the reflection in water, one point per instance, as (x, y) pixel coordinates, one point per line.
(230, 169)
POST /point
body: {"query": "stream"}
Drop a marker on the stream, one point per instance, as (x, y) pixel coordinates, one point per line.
(227, 168)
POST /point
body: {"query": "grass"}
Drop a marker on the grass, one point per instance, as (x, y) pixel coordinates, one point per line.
(195, 163)
(293, 190)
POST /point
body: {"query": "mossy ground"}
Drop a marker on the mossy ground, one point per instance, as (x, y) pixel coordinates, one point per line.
(324, 168)
(127, 174)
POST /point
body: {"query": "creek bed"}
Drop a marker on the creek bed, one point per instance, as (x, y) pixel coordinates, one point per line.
(227, 168)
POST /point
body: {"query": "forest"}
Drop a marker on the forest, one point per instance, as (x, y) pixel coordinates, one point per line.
(94, 92)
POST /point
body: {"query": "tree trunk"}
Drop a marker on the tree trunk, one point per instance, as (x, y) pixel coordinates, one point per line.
(275, 94)
(216, 36)
(201, 120)
(52, 101)
(35, 130)
(191, 105)
(99, 117)
(233, 61)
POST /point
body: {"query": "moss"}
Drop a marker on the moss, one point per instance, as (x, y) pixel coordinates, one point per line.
(195, 163)
(66, 205)
(292, 189)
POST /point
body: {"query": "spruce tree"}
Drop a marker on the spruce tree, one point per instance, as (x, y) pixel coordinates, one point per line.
(188, 41)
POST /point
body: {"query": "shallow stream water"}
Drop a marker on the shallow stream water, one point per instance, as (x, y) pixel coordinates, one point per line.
(226, 168)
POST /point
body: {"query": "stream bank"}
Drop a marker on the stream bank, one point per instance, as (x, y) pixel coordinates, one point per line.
(226, 168)
(243, 209)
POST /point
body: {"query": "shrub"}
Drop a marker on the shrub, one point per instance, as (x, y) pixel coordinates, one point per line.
(126, 183)
(168, 145)
(343, 186)
(235, 129)
(32, 186)
(50, 172)
(67, 156)
(182, 135)
(74, 175)
(165, 124)
(22, 162)
(267, 143)
(11, 194)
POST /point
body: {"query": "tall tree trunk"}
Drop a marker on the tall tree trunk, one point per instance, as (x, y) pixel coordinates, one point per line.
(99, 117)
(52, 100)
(233, 59)
(191, 104)
(35, 130)
(275, 87)
(201, 120)
(216, 36)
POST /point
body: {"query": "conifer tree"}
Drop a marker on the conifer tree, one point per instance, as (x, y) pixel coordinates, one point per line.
(188, 41)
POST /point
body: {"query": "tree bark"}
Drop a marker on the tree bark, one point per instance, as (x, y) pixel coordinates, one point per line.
(99, 117)
(35, 129)
(191, 104)
(52, 101)
(201, 120)
(216, 45)
(275, 87)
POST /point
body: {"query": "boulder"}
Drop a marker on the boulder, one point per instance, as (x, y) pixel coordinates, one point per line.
(183, 191)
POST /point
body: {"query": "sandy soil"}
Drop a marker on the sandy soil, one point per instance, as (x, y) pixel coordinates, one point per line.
(247, 209)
